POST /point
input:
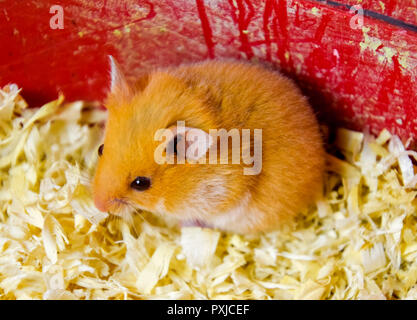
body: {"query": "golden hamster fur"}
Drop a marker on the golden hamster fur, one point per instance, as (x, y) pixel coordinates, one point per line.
(210, 95)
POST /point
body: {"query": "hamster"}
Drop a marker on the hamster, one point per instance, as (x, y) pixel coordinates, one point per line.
(203, 96)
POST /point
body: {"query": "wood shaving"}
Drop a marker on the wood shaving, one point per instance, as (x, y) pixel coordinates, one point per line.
(358, 242)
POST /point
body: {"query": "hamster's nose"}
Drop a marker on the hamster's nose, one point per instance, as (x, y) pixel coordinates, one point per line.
(102, 204)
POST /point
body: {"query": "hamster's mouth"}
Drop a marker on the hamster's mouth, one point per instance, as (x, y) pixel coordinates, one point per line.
(119, 207)
(119, 202)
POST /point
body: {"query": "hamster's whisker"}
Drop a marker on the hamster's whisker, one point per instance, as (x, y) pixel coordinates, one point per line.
(124, 211)
(136, 209)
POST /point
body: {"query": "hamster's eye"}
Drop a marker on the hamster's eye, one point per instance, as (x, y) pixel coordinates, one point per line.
(141, 183)
(100, 150)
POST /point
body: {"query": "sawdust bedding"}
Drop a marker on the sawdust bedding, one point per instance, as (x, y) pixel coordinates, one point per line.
(359, 242)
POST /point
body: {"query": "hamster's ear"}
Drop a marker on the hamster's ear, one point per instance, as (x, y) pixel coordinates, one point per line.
(118, 87)
(197, 143)
(189, 143)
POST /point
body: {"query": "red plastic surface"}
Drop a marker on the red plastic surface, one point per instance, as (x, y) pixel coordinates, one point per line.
(357, 78)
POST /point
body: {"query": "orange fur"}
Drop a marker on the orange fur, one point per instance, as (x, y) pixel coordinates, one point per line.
(212, 95)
